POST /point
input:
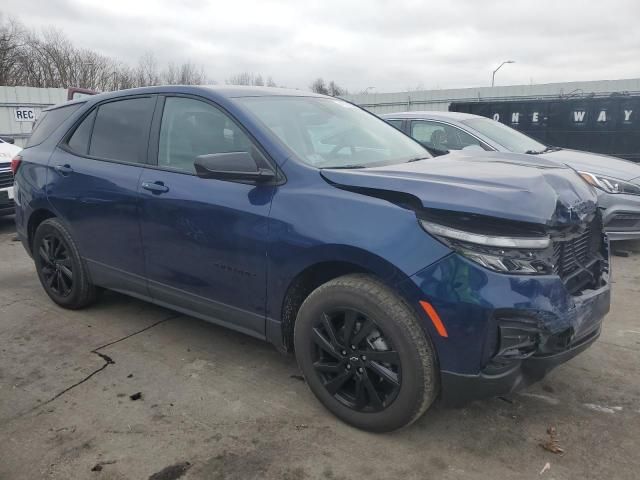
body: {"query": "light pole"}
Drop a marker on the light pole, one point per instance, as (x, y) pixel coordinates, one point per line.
(493, 77)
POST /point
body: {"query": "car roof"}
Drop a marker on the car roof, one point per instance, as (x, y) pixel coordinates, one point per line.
(211, 91)
(432, 115)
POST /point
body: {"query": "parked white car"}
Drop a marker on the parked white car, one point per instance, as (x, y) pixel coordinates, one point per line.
(7, 152)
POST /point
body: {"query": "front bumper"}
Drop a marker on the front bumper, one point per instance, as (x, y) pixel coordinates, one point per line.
(460, 389)
(621, 217)
(504, 331)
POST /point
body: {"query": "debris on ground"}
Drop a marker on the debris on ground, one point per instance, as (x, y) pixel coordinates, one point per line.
(100, 465)
(130, 375)
(172, 472)
(302, 426)
(297, 377)
(547, 466)
(136, 396)
(602, 408)
(553, 443)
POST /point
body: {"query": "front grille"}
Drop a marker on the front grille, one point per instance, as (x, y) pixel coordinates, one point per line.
(6, 179)
(579, 260)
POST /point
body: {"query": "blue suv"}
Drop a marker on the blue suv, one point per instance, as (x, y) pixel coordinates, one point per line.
(396, 278)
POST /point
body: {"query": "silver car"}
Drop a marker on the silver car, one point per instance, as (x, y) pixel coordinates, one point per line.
(617, 180)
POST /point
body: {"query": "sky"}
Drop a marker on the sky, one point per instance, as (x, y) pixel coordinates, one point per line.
(382, 44)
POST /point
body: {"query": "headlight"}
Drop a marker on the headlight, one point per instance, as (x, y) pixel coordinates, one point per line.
(511, 254)
(610, 184)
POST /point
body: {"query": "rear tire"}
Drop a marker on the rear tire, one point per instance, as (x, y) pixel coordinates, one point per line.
(364, 355)
(62, 272)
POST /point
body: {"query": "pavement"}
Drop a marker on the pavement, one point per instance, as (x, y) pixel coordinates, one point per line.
(128, 390)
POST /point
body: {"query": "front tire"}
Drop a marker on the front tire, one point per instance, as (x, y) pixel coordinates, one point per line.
(364, 355)
(62, 272)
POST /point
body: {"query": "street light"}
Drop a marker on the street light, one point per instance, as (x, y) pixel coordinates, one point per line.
(493, 77)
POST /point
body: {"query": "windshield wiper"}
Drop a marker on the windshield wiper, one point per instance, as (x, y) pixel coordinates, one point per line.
(343, 167)
(417, 158)
(547, 149)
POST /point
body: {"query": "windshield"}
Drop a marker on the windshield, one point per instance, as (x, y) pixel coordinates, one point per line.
(511, 139)
(331, 133)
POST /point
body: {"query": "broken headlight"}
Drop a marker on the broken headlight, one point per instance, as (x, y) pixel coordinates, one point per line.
(501, 253)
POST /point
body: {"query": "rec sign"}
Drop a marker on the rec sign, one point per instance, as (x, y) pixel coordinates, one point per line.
(24, 114)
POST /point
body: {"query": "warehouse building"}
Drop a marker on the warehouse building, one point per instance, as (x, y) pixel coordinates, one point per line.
(21, 106)
(441, 99)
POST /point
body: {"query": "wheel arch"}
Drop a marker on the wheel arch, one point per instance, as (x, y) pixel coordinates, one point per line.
(327, 263)
(35, 219)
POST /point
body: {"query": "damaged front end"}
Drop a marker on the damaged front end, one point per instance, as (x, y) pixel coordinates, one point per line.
(530, 296)
(526, 285)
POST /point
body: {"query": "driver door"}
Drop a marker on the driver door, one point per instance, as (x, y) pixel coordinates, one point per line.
(205, 240)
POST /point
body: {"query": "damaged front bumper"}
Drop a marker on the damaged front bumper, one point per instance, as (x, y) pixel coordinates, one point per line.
(534, 352)
(504, 332)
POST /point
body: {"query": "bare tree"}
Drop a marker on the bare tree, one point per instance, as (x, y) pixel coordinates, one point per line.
(318, 86)
(336, 90)
(247, 78)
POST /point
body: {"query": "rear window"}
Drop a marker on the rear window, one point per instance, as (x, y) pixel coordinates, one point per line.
(49, 121)
(121, 129)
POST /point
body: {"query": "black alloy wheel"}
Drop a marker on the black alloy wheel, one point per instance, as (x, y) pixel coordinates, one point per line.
(57, 267)
(61, 270)
(354, 360)
(364, 353)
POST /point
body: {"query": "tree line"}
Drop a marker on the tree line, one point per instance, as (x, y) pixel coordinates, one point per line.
(49, 59)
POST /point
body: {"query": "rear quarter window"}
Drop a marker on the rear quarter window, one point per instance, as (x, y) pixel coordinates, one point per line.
(121, 129)
(50, 120)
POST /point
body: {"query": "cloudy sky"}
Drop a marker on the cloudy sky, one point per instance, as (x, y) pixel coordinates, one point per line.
(389, 45)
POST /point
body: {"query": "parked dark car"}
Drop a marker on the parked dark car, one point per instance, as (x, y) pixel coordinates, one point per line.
(617, 180)
(306, 221)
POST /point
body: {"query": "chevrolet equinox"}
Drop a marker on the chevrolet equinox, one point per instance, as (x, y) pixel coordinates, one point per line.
(395, 277)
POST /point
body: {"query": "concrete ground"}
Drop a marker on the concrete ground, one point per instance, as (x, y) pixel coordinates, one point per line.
(233, 408)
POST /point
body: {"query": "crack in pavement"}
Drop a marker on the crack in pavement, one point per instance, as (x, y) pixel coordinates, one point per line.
(107, 361)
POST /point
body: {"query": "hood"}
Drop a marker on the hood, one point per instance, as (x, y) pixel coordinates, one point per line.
(596, 163)
(493, 184)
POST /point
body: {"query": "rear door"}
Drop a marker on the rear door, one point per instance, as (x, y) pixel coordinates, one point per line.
(205, 240)
(93, 185)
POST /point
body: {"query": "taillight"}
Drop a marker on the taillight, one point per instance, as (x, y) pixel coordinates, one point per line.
(15, 163)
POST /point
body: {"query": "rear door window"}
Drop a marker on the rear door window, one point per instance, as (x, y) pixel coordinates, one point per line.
(121, 130)
(49, 121)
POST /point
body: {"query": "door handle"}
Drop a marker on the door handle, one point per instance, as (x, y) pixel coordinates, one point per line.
(63, 169)
(155, 187)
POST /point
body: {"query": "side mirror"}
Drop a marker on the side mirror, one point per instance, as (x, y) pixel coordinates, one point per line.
(436, 152)
(231, 166)
(10, 140)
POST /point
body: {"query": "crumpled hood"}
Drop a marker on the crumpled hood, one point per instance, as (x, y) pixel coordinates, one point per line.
(596, 163)
(494, 184)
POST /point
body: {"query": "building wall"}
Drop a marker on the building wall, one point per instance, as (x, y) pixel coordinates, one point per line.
(440, 99)
(30, 97)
